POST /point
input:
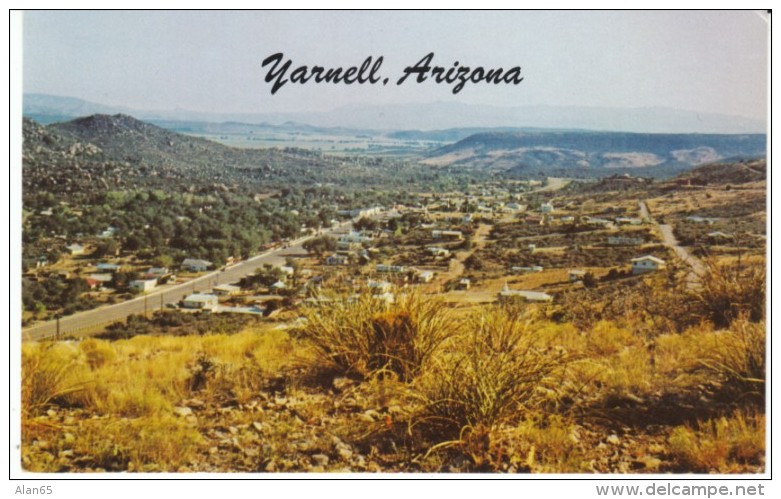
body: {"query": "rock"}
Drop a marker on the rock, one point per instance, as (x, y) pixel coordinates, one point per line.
(65, 453)
(68, 437)
(51, 413)
(233, 430)
(320, 460)
(613, 439)
(271, 466)
(183, 412)
(257, 426)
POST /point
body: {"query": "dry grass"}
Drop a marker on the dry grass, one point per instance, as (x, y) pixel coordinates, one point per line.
(723, 445)
(51, 375)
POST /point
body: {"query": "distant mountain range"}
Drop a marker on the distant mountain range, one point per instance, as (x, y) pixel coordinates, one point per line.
(582, 153)
(425, 117)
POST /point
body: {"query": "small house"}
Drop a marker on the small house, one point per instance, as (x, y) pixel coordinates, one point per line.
(546, 208)
(447, 234)
(464, 283)
(108, 267)
(75, 249)
(143, 285)
(200, 301)
(647, 263)
(576, 275)
(438, 252)
(391, 269)
(196, 265)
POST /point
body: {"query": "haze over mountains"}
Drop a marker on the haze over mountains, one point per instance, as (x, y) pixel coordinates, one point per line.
(430, 116)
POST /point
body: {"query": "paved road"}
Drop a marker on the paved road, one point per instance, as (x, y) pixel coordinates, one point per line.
(163, 295)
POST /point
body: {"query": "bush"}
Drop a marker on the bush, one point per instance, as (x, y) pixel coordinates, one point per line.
(368, 335)
(49, 376)
(490, 377)
(738, 359)
(727, 291)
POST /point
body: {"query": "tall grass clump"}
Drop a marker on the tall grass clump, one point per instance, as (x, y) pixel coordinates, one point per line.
(493, 374)
(729, 291)
(737, 359)
(368, 335)
(50, 375)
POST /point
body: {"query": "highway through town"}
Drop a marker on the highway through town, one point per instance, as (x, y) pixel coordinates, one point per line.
(158, 298)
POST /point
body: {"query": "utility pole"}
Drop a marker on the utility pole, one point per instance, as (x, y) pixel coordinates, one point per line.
(58, 327)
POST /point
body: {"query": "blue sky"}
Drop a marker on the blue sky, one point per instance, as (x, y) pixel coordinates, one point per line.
(713, 62)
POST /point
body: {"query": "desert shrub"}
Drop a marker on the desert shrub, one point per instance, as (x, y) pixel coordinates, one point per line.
(492, 374)
(50, 375)
(359, 337)
(737, 358)
(723, 445)
(727, 291)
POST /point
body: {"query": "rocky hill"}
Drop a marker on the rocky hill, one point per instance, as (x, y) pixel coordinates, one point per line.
(581, 153)
(740, 172)
(119, 151)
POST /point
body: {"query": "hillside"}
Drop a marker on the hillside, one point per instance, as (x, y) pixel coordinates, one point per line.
(594, 154)
(727, 173)
(120, 151)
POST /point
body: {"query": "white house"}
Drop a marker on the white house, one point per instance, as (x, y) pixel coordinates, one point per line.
(436, 251)
(447, 234)
(392, 269)
(75, 249)
(143, 285)
(647, 263)
(200, 301)
(546, 207)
